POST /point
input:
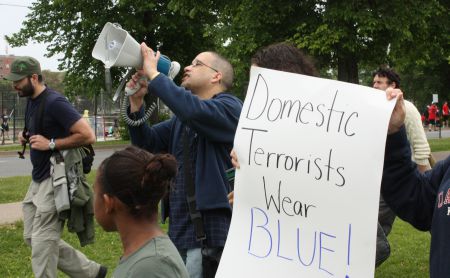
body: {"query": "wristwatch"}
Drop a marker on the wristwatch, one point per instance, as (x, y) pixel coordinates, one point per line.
(52, 144)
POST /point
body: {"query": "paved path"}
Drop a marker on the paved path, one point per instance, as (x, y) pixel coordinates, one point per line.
(10, 213)
(11, 165)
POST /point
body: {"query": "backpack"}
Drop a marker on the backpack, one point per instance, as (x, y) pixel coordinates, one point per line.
(87, 151)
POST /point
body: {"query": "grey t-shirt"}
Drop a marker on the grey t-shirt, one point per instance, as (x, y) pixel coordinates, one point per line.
(158, 258)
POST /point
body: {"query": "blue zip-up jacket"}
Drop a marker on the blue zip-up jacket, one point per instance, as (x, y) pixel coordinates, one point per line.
(423, 200)
(214, 120)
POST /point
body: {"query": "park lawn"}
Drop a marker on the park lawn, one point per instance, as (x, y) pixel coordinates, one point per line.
(439, 145)
(409, 256)
(13, 189)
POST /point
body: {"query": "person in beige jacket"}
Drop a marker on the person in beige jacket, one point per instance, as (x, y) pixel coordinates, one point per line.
(383, 79)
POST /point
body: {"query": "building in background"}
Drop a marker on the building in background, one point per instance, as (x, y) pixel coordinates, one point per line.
(5, 64)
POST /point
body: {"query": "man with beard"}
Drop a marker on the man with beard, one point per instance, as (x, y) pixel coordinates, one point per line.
(61, 128)
(200, 136)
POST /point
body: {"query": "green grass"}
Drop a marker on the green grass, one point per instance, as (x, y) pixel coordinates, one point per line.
(438, 145)
(409, 253)
(13, 189)
(409, 247)
(16, 255)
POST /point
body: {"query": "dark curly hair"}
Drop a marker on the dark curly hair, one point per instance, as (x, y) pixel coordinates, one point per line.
(137, 178)
(390, 74)
(284, 56)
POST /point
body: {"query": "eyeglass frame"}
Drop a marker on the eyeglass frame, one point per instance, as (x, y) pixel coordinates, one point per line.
(197, 62)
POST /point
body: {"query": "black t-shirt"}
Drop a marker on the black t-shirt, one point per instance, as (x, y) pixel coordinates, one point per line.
(59, 116)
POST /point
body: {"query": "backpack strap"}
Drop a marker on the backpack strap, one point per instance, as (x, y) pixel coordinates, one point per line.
(38, 121)
(39, 116)
(196, 216)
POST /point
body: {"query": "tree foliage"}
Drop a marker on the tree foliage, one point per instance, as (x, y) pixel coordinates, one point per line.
(54, 80)
(72, 27)
(348, 38)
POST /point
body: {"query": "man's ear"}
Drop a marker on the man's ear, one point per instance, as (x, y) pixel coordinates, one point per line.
(393, 85)
(217, 78)
(109, 202)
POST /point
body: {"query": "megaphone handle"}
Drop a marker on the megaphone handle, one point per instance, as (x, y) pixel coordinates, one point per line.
(122, 84)
(131, 91)
(108, 81)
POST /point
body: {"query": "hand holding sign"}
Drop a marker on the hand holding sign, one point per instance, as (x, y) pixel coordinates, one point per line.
(399, 112)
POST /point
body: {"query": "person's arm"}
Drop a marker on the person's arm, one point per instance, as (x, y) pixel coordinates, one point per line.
(152, 138)
(215, 118)
(80, 133)
(409, 193)
(417, 138)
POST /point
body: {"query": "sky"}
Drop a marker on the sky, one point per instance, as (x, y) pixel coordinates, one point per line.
(12, 14)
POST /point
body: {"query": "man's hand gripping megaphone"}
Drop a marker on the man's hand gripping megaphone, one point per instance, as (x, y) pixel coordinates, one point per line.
(152, 63)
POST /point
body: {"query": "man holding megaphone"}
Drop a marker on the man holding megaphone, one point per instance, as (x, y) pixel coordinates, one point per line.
(200, 136)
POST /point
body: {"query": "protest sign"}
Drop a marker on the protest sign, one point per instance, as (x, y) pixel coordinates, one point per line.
(306, 197)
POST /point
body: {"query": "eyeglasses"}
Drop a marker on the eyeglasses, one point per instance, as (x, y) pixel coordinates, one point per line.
(196, 63)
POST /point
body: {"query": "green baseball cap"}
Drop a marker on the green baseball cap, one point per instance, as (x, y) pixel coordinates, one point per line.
(22, 67)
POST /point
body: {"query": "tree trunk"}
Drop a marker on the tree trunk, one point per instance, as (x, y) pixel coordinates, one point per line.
(348, 68)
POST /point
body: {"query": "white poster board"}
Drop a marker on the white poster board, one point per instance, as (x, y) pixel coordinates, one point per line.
(306, 196)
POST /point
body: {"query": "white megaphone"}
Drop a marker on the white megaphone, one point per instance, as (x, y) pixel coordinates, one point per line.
(116, 48)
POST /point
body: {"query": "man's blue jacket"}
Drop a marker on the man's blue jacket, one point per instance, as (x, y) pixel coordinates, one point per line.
(214, 120)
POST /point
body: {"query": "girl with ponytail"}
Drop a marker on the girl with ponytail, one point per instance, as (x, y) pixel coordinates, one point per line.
(128, 187)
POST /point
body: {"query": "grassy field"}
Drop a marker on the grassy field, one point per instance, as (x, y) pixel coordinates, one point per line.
(16, 261)
(409, 257)
(439, 145)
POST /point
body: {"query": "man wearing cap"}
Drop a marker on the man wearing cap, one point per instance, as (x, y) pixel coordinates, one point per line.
(61, 128)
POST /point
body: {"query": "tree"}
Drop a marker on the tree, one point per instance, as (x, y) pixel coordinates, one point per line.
(54, 80)
(423, 57)
(72, 27)
(348, 36)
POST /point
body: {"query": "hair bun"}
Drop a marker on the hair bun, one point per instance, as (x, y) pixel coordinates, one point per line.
(161, 169)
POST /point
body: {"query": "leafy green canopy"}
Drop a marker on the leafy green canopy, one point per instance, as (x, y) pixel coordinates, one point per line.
(348, 38)
(72, 28)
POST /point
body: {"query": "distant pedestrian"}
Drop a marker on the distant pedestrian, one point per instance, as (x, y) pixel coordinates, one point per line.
(5, 126)
(445, 114)
(432, 114)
